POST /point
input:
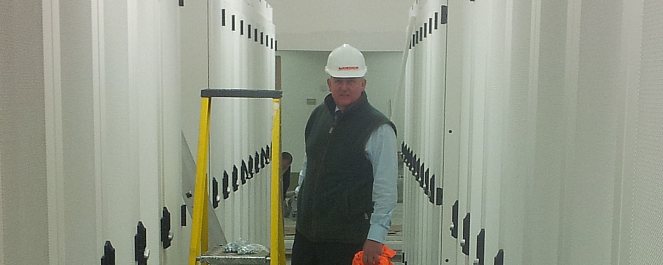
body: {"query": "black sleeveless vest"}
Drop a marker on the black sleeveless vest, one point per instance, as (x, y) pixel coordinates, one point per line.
(335, 200)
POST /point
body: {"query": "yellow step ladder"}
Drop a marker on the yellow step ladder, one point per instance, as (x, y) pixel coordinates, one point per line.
(199, 229)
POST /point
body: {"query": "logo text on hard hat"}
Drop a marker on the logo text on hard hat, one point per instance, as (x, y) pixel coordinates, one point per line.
(348, 68)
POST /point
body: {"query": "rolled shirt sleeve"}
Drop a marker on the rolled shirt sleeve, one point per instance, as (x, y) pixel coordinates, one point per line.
(381, 150)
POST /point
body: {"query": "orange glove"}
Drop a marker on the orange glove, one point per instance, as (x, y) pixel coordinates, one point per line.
(385, 258)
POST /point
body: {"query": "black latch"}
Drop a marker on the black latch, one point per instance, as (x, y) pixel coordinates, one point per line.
(412, 163)
(430, 25)
(263, 158)
(250, 164)
(466, 235)
(256, 162)
(438, 196)
(408, 156)
(235, 178)
(422, 175)
(481, 245)
(421, 33)
(268, 154)
(215, 193)
(499, 258)
(403, 150)
(166, 236)
(223, 17)
(183, 215)
(109, 254)
(444, 15)
(243, 174)
(427, 182)
(181, 3)
(225, 185)
(414, 40)
(415, 167)
(245, 171)
(454, 220)
(140, 244)
(431, 189)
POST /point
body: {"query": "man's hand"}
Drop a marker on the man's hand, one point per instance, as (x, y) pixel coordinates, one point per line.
(372, 252)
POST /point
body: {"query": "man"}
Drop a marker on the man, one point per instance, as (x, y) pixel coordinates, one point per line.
(286, 161)
(348, 183)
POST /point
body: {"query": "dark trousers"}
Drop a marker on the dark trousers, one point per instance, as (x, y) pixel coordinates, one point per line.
(306, 252)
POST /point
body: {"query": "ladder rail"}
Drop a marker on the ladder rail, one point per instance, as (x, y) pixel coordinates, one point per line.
(199, 229)
(199, 223)
(277, 244)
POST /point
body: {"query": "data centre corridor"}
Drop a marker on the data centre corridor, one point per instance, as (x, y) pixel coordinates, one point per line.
(530, 132)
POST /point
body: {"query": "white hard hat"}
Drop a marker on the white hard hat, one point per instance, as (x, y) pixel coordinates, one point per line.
(346, 62)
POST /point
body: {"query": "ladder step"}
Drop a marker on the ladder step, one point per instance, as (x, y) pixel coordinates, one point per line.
(217, 256)
(240, 93)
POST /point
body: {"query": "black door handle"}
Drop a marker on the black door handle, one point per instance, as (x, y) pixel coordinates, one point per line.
(166, 236)
(215, 193)
(235, 178)
(225, 185)
(109, 254)
(454, 220)
(140, 244)
(466, 234)
(499, 258)
(481, 245)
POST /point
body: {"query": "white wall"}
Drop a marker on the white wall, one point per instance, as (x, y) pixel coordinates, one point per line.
(82, 132)
(303, 77)
(370, 25)
(560, 144)
(23, 200)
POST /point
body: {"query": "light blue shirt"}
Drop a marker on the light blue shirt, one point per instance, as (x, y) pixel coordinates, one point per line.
(381, 151)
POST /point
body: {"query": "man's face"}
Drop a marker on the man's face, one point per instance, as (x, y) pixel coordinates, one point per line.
(346, 91)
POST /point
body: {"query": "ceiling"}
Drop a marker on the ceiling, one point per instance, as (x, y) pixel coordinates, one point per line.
(369, 25)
